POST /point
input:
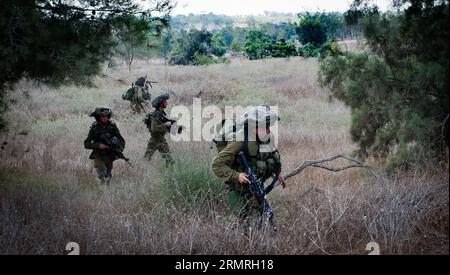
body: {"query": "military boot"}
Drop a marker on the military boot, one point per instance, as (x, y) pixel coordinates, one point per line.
(108, 178)
(102, 177)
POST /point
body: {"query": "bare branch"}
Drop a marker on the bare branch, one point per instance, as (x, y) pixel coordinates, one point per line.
(320, 164)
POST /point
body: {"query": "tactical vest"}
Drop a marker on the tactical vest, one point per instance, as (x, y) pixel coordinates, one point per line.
(263, 158)
(108, 132)
(155, 114)
(266, 162)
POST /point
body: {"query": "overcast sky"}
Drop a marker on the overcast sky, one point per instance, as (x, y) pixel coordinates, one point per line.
(254, 7)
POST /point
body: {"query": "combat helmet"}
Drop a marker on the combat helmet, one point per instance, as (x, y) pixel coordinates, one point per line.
(140, 81)
(159, 99)
(101, 111)
(259, 115)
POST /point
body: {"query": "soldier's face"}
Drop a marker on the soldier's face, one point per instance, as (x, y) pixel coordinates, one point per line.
(104, 119)
(164, 104)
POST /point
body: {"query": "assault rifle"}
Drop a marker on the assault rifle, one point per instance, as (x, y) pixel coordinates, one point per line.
(165, 119)
(257, 190)
(115, 148)
(149, 82)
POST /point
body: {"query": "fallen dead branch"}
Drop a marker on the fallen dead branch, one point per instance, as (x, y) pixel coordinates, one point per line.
(320, 163)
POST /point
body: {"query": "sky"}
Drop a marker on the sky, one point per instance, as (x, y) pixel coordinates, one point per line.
(256, 7)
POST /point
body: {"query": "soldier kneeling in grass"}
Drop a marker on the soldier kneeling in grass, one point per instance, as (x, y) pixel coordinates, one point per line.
(103, 131)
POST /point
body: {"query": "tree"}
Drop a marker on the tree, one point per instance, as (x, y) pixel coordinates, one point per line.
(398, 91)
(282, 49)
(239, 39)
(334, 24)
(133, 34)
(257, 45)
(194, 46)
(166, 45)
(61, 42)
(260, 45)
(219, 46)
(308, 50)
(228, 35)
(311, 30)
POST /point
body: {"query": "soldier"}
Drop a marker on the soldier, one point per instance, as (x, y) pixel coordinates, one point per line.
(103, 128)
(138, 94)
(255, 139)
(158, 125)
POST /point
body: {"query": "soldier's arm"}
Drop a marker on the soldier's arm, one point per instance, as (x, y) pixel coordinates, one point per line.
(222, 164)
(89, 141)
(158, 127)
(120, 138)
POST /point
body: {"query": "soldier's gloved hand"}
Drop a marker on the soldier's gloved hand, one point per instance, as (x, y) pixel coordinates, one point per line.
(102, 146)
(168, 124)
(282, 181)
(243, 178)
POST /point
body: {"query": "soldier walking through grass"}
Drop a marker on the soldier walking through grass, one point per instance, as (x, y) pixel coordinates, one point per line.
(138, 94)
(159, 125)
(102, 131)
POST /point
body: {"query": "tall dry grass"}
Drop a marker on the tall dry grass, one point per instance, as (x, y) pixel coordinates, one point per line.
(48, 194)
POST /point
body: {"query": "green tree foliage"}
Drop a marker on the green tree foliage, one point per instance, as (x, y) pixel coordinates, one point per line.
(286, 31)
(311, 30)
(166, 45)
(194, 46)
(398, 92)
(275, 26)
(228, 35)
(336, 27)
(308, 50)
(239, 39)
(259, 45)
(134, 35)
(219, 45)
(282, 49)
(60, 42)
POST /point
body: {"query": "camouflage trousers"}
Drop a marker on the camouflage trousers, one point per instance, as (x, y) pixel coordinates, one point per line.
(239, 203)
(162, 146)
(103, 164)
(244, 206)
(247, 210)
(138, 107)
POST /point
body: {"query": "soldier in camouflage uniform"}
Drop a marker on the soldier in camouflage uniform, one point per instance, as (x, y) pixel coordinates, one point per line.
(254, 138)
(103, 127)
(158, 126)
(140, 95)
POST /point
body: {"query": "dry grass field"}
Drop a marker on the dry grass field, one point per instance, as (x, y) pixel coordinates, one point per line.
(49, 196)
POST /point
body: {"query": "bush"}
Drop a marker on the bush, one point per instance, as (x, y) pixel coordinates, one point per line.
(197, 48)
(308, 50)
(259, 45)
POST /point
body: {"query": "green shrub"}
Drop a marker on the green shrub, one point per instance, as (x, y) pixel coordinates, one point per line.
(308, 50)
